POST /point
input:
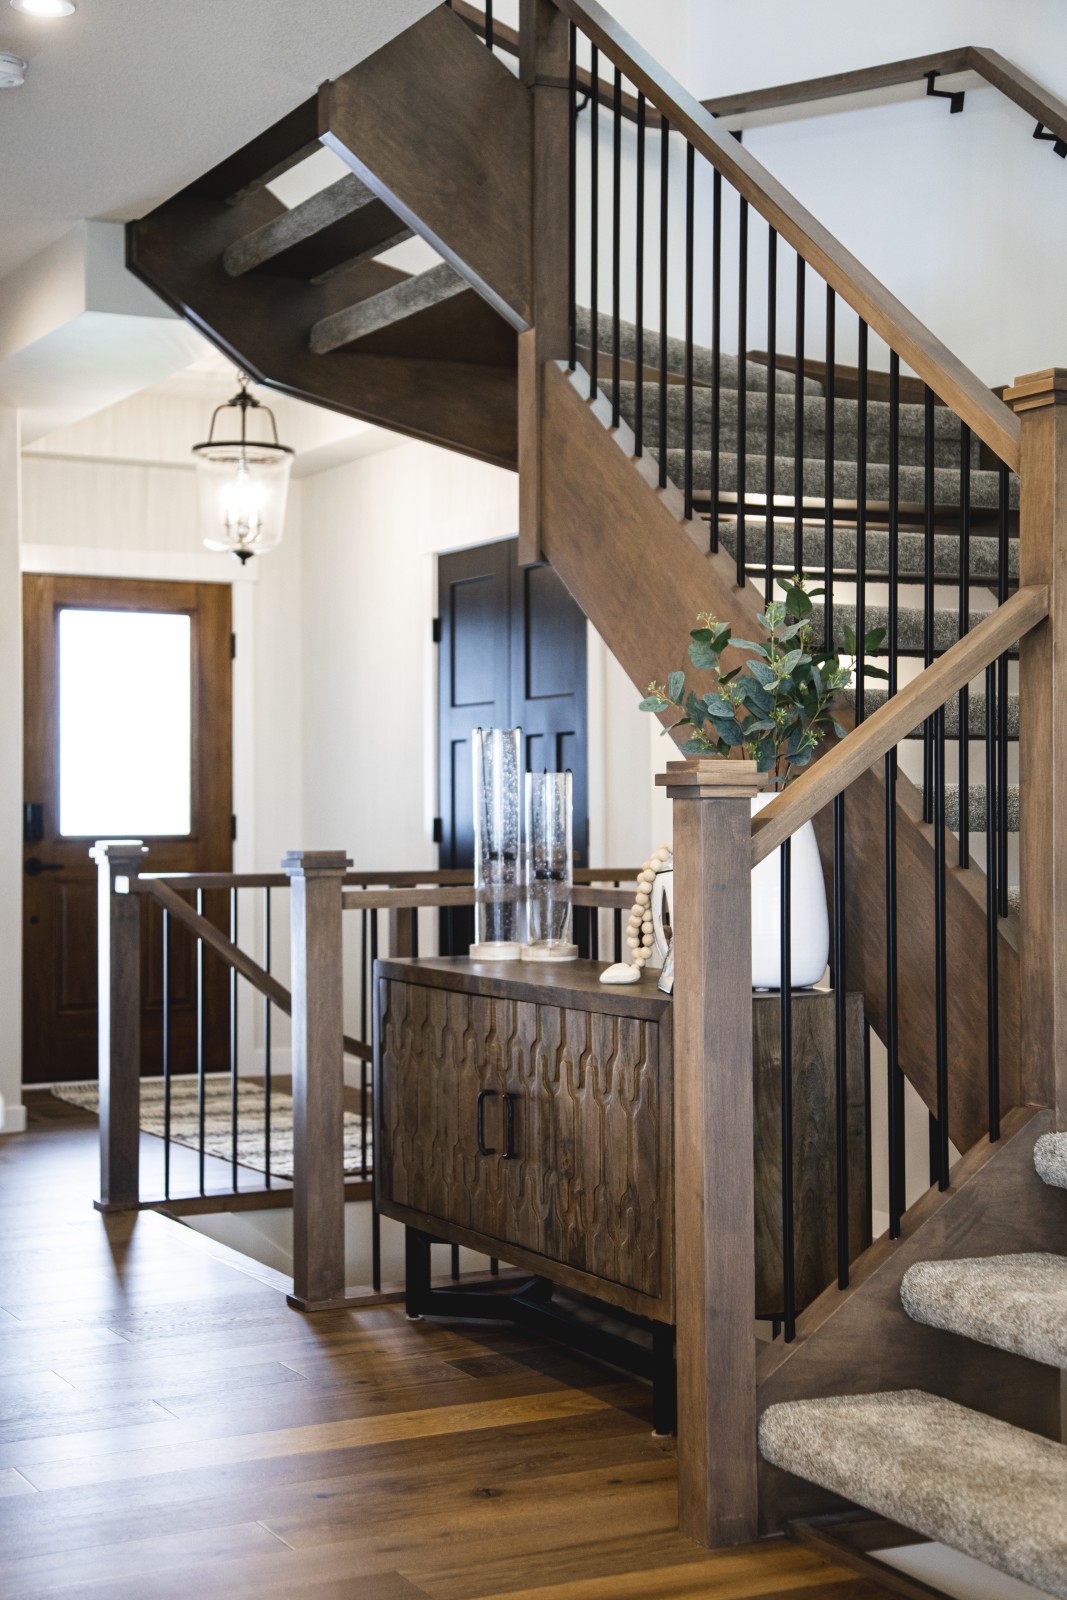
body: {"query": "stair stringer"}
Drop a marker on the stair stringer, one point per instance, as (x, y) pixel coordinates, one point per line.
(641, 573)
(862, 1341)
(263, 324)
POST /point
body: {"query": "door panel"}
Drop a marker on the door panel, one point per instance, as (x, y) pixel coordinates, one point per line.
(107, 760)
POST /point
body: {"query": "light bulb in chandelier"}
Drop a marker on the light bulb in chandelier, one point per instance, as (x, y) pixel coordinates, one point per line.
(243, 481)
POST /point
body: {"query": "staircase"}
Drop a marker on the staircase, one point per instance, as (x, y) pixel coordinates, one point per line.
(662, 475)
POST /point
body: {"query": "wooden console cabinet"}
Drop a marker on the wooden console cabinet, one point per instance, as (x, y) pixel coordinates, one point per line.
(525, 1110)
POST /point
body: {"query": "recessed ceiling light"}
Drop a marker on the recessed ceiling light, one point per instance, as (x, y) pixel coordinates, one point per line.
(12, 71)
(45, 8)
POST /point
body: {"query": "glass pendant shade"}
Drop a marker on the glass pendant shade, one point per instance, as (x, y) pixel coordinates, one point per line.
(242, 482)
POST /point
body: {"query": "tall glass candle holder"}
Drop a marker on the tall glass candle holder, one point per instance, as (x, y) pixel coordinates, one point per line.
(498, 913)
(549, 866)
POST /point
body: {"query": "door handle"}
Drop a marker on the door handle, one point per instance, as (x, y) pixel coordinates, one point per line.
(34, 866)
(483, 1096)
(509, 1128)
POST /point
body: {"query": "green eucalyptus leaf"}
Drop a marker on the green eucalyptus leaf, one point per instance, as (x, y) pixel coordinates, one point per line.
(676, 687)
(703, 655)
(654, 702)
(875, 672)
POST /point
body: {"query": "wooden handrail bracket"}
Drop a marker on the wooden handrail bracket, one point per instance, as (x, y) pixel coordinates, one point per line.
(893, 721)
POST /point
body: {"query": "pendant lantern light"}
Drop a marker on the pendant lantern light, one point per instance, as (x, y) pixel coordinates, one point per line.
(243, 483)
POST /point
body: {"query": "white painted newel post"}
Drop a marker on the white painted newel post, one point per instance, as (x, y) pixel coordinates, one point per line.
(118, 862)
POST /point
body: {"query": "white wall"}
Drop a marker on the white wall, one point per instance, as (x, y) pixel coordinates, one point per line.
(12, 1116)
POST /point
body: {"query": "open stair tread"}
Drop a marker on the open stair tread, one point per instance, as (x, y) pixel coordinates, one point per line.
(984, 486)
(874, 699)
(975, 1483)
(336, 227)
(404, 300)
(1013, 1302)
(756, 373)
(1050, 1159)
(911, 551)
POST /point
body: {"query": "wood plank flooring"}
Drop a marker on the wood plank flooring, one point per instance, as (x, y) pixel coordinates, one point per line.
(169, 1428)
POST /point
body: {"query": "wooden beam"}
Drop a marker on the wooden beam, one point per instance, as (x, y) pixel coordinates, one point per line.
(896, 718)
(119, 1025)
(714, 1212)
(440, 130)
(1041, 401)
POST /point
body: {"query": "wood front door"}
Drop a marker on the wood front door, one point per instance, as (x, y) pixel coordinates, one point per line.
(128, 734)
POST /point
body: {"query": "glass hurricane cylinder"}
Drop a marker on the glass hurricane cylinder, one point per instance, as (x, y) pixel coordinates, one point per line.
(549, 865)
(497, 854)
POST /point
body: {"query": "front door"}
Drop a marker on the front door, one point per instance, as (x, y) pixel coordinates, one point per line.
(128, 733)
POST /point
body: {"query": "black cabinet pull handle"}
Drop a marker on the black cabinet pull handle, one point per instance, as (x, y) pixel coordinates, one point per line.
(509, 1127)
(483, 1096)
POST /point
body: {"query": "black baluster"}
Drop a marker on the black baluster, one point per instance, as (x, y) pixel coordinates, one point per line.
(414, 917)
(994, 803)
(894, 520)
(594, 217)
(861, 517)
(940, 951)
(489, 23)
(798, 428)
(233, 1042)
(639, 284)
(616, 248)
(572, 202)
(785, 1018)
(200, 1106)
(375, 1247)
(964, 773)
(594, 934)
(716, 356)
(664, 231)
(166, 1054)
(828, 465)
(928, 589)
(1002, 702)
(266, 1038)
(772, 404)
(690, 168)
(364, 1082)
(894, 1076)
(841, 1043)
(742, 387)
(617, 920)
(455, 1263)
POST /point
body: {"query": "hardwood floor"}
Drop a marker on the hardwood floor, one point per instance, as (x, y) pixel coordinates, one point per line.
(169, 1428)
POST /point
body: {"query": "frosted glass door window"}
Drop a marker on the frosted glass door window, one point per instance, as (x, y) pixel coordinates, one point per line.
(125, 723)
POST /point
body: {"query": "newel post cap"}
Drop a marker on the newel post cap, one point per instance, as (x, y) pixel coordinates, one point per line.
(315, 863)
(1036, 389)
(711, 778)
(113, 851)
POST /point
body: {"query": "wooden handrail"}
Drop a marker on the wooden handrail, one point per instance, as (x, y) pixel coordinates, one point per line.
(986, 415)
(436, 877)
(894, 720)
(467, 895)
(232, 954)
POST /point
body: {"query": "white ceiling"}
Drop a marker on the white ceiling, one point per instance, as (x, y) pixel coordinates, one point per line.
(129, 100)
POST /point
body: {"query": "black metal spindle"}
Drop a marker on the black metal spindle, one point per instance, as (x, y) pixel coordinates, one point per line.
(266, 1039)
(494, 1267)
(772, 404)
(414, 918)
(1002, 699)
(455, 1263)
(940, 950)
(828, 466)
(489, 23)
(785, 1019)
(798, 429)
(894, 1076)
(616, 249)
(964, 768)
(690, 222)
(928, 589)
(233, 1042)
(364, 1127)
(594, 934)
(716, 357)
(166, 1053)
(594, 221)
(894, 522)
(617, 929)
(841, 1044)
(742, 387)
(572, 202)
(375, 1248)
(994, 803)
(861, 515)
(664, 235)
(639, 283)
(201, 1109)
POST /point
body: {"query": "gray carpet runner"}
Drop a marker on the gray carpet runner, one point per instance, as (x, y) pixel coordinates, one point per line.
(985, 486)
(979, 1485)
(911, 550)
(756, 372)
(1050, 1159)
(1016, 1303)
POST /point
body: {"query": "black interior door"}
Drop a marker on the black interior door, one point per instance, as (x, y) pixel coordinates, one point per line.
(513, 654)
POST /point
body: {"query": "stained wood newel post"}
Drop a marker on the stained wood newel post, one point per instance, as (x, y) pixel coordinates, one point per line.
(316, 881)
(714, 1209)
(1040, 400)
(544, 63)
(118, 927)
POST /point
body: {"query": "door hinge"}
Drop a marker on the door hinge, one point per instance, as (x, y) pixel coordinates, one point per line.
(233, 647)
(233, 825)
(438, 830)
(437, 630)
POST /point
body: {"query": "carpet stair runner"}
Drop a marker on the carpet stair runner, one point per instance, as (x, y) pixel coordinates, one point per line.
(994, 1491)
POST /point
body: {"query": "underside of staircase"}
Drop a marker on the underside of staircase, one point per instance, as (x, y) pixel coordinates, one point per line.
(472, 355)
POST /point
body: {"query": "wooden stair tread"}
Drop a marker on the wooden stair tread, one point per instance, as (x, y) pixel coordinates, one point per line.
(977, 1484)
(334, 228)
(1013, 1302)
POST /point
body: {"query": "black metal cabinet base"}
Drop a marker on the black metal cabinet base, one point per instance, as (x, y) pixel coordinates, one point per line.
(530, 1306)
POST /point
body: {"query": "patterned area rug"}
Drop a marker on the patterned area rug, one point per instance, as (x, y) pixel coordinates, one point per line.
(251, 1131)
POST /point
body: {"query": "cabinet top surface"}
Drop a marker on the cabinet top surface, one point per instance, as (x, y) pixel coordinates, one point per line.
(575, 984)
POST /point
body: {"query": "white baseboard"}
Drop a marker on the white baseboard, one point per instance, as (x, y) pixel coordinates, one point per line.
(14, 1120)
